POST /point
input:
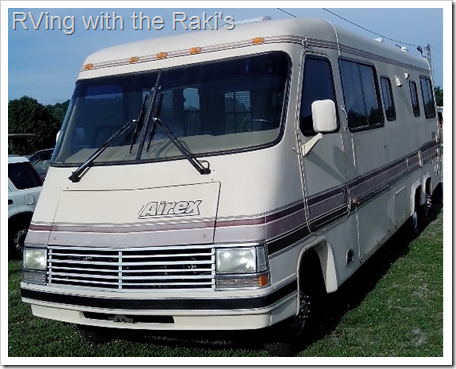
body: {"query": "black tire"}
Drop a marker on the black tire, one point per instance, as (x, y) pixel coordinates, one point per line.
(424, 211)
(16, 237)
(421, 215)
(437, 195)
(287, 337)
(93, 334)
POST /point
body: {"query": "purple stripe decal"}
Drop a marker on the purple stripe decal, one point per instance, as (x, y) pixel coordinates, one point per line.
(274, 224)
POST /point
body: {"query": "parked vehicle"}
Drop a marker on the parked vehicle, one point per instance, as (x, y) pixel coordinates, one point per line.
(41, 160)
(227, 180)
(24, 187)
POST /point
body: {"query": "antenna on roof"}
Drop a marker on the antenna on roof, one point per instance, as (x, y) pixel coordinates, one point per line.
(252, 20)
(403, 48)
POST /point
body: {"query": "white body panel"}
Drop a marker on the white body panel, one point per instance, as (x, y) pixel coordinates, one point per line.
(344, 198)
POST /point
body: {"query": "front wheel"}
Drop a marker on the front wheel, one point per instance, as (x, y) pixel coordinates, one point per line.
(286, 338)
(17, 234)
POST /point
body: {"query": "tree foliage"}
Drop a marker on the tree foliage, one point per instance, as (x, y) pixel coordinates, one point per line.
(438, 92)
(27, 115)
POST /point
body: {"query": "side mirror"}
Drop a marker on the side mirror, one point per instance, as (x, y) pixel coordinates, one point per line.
(324, 121)
(57, 137)
(324, 116)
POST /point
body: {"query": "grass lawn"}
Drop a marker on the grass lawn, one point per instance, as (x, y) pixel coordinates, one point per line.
(391, 307)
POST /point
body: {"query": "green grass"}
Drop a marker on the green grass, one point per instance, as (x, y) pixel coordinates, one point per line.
(391, 307)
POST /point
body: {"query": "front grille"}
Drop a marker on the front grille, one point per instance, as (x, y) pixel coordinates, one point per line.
(170, 267)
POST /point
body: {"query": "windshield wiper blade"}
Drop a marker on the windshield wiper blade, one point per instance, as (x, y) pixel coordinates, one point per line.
(156, 115)
(149, 113)
(76, 175)
(137, 125)
(188, 155)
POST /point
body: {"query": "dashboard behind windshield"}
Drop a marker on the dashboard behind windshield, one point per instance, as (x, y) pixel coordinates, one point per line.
(212, 107)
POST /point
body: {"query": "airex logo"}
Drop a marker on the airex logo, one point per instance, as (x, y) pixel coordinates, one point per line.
(164, 208)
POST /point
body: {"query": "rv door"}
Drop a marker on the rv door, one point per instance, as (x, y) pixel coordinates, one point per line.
(324, 165)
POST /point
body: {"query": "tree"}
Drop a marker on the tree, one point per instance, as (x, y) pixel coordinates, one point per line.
(438, 92)
(58, 110)
(26, 115)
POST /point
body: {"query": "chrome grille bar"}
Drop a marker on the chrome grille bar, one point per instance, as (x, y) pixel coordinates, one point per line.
(173, 267)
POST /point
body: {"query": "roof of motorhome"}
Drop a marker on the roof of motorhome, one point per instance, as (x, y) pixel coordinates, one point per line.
(242, 35)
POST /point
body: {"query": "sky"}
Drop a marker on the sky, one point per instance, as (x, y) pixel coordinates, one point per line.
(43, 63)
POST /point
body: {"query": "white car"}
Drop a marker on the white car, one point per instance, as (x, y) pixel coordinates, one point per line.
(24, 188)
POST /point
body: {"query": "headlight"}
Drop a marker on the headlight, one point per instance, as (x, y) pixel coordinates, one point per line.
(242, 267)
(241, 260)
(34, 265)
(35, 258)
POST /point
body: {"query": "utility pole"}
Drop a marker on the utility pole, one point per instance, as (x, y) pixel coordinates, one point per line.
(428, 57)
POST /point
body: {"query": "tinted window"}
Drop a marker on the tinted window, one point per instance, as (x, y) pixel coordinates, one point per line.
(428, 97)
(23, 176)
(317, 85)
(212, 107)
(414, 99)
(388, 100)
(361, 95)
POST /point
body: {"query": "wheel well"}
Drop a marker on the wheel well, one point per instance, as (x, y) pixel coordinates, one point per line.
(428, 187)
(417, 198)
(19, 218)
(310, 271)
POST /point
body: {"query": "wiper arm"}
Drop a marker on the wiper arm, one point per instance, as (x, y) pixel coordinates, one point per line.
(137, 125)
(149, 114)
(76, 175)
(188, 155)
(154, 123)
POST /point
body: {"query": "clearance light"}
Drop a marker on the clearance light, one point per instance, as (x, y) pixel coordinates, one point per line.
(134, 59)
(195, 50)
(258, 40)
(88, 66)
(162, 55)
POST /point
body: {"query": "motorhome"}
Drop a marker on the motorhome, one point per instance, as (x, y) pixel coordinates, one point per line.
(225, 180)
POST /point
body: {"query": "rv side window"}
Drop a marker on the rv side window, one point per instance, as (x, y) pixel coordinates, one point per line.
(388, 101)
(428, 97)
(414, 99)
(361, 95)
(317, 85)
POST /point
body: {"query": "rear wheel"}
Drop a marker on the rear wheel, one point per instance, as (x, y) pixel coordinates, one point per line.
(424, 211)
(437, 195)
(420, 215)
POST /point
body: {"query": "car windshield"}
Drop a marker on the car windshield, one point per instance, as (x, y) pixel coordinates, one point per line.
(214, 107)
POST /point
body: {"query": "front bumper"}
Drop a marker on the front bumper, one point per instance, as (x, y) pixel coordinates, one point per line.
(140, 311)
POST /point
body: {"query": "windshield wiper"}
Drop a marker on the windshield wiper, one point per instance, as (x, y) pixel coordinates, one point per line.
(76, 175)
(137, 125)
(188, 155)
(149, 113)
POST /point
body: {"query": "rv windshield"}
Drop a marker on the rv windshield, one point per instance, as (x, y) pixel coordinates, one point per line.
(214, 107)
